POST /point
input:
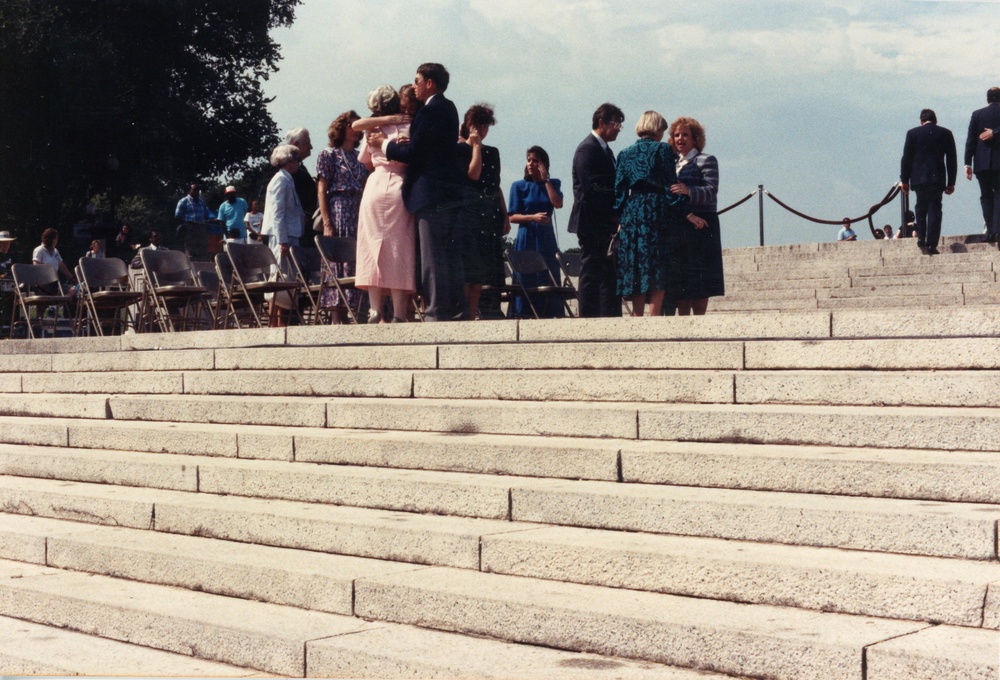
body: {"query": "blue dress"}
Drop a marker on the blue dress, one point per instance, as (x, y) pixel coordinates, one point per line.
(528, 198)
(650, 217)
(699, 251)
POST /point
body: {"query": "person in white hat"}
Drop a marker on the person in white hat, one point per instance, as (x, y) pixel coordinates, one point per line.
(231, 214)
(5, 241)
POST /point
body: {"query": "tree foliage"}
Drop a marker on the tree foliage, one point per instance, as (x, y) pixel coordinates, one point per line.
(128, 98)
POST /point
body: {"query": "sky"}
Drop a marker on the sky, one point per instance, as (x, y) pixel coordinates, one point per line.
(811, 99)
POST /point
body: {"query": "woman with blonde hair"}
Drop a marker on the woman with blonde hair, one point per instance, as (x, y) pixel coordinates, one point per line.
(698, 251)
(386, 231)
(649, 215)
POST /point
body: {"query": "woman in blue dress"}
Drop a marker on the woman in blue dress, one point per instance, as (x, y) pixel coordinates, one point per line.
(532, 203)
(699, 250)
(650, 216)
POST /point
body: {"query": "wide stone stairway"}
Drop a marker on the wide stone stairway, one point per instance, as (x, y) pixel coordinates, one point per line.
(861, 275)
(758, 494)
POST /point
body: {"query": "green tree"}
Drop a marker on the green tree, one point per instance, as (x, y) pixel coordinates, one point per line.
(129, 98)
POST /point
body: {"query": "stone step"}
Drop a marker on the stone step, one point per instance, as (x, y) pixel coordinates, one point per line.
(446, 493)
(361, 532)
(734, 294)
(510, 455)
(905, 323)
(725, 304)
(377, 462)
(919, 301)
(907, 427)
(937, 652)
(747, 283)
(407, 651)
(922, 268)
(973, 429)
(912, 527)
(804, 424)
(299, 578)
(868, 388)
(907, 526)
(577, 385)
(944, 258)
(32, 649)
(267, 637)
(823, 579)
(677, 354)
(742, 326)
(122, 468)
(370, 650)
(754, 640)
(943, 277)
(960, 476)
(876, 354)
(891, 292)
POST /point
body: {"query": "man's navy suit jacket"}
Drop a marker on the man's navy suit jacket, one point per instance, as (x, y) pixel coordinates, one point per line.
(983, 156)
(926, 151)
(593, 216)
(432, 179)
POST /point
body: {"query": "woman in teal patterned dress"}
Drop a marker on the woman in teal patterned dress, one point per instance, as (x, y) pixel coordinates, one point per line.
(648, 214)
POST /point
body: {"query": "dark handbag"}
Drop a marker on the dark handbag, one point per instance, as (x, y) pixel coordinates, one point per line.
(615, 242)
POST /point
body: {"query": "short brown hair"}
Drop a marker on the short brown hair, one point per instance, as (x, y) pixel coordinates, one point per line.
(478, 114)
(337, 131)
(697, 131)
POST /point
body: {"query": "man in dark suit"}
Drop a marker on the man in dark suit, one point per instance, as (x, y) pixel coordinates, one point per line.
(432, 191)
(929, 148)
(593, 218)
(982, 156)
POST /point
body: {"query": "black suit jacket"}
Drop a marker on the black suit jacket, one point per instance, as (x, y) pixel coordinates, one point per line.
(927, 150)
(432, 179)
(983, 156)
(593, 217)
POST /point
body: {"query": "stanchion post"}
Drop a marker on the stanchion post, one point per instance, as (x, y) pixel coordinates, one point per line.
(903, 207)
(760, 209)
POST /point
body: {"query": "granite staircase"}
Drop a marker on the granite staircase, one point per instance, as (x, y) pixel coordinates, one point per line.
(861, 275)
(795, 494)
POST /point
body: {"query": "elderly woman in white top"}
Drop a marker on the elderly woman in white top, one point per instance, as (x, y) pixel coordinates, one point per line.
(283, 217)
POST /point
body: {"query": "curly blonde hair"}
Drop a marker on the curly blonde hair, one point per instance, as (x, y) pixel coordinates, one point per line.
(697, 131)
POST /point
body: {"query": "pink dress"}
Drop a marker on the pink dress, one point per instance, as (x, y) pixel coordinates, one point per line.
(386, 231)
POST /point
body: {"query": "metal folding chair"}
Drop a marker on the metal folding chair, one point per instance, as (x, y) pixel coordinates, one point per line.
(173, 293)
(528, 262)
(37, 287)
(309, 272)
(207, 276)
(333, 250)
(570, 264)
(105, 295)
(256, 276)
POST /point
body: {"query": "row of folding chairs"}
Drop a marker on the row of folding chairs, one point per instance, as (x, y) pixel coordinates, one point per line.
(525, 263)
(236, 290)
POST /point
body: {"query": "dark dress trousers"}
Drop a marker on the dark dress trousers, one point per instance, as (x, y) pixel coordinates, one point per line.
(594, 221)
(432, 191)
(984, 157)
(929, 165)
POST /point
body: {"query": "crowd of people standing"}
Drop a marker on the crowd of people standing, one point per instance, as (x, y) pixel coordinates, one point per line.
(419, 189)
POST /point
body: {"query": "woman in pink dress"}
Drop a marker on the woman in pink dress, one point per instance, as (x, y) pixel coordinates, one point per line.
(386, 231)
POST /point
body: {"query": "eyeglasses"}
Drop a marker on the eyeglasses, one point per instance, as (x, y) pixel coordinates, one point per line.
(613, 124)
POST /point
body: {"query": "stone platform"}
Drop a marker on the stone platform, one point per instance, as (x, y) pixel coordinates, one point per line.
(755, 494)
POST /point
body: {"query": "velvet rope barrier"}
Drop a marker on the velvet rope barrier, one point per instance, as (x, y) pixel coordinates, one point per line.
(738, 203)
(847, 221)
